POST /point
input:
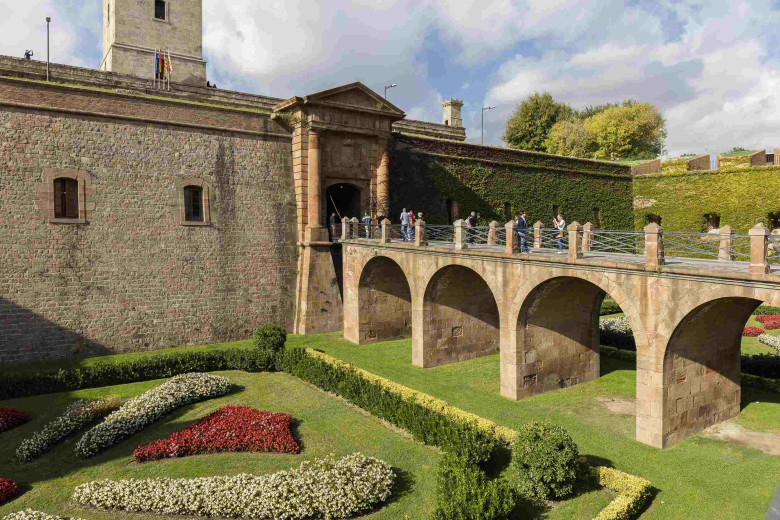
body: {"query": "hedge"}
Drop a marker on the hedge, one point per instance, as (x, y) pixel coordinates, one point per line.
(609, 306)
(634, 493)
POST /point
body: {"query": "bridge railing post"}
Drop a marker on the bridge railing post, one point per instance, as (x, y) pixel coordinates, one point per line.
(354, 229)
(385, 237)
(420, 235)
(512, 240)
(654, 246)
(575, 241)
(758, 249)
(345, 228)
(726, 245)
(460, 234)
(491, 238)
(587, 236)
(538, 234)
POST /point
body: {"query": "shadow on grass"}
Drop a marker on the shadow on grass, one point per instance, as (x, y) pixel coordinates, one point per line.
(609, 365)
(403, 486)
(296, 434)
(754, 395)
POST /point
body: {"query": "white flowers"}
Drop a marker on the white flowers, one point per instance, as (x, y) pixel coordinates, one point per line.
(29, 514)
(772, 342)
(145, 409)
(324, 488)
(76, 416)
(619, 325)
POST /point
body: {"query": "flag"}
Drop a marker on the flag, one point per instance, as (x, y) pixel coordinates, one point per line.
(156, 64)
(170, 63)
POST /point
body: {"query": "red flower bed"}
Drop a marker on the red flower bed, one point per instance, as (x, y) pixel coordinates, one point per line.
(8, 490)
(770, 322)
(229, 429)
(11, 418)
(752, 332)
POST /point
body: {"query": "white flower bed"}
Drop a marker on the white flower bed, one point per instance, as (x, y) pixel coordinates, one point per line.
(619, 325)
(145, 409)
(324, 488)
(76, 416)
(772, 342)
(29, 514)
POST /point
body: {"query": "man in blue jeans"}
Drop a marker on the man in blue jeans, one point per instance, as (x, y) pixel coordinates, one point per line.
(522, 230)
(405, 225)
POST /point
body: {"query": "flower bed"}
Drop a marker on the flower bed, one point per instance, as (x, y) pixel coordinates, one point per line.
(8, 490)
(324, 488)
(76, 416)
(752, 332)
(11, 418)
(152, 406)
(772, 342)
(229, 429)
(30, 514)
(770, 322)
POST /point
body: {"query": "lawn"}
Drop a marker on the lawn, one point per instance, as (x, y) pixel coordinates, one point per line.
(698, 478)
(326, 425)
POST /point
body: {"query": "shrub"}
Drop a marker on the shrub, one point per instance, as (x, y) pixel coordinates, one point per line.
(770, 341)
(270, 337)
(752, 332)
(29, 514)
(76, 416)
(609, 306)
(229, 429)
(149, 407)
(545, 461)
(11, 418)
(634, 492)
(324, 488)
(8, 490)
(465, 493)
(764, 310)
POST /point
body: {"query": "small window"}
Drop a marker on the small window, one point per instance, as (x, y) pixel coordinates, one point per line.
(597, 218)
(507, 211)
(66, 198)
(773, 220)
(652, 218)
(193, 204)
(711, 222)
(160, 11)
(555, 210)
(453, 212)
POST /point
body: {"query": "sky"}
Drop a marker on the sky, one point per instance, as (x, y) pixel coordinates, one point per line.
(712, 67)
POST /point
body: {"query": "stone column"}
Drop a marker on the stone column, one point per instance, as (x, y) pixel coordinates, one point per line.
(315, 231)
(726, 246)
(654, 246)
(460, 235)
(383, 180)
(575, 241)
(385, 239)
(512, 240)
(491, 239)
(587, 236)
(538, 234)
(420, 238)
(354, 230)
(345, 228)
(758, 249)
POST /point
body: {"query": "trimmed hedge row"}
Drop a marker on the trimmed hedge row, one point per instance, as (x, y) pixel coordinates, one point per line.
(609, 306)
(634, 492)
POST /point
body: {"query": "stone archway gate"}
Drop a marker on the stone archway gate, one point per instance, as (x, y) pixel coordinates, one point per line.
(687, 316)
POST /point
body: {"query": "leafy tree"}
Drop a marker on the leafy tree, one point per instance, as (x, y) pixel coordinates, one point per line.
(592, 110)
(568, 137)
(632, 131)
(532, 120)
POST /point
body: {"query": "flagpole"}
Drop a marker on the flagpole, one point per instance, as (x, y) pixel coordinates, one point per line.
(154, 81)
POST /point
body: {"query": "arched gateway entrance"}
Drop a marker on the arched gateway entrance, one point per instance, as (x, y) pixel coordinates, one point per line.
(344, 199)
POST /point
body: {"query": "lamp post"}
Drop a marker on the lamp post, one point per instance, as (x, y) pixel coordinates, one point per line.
(483, 121)
(389, 86)
(48, 21)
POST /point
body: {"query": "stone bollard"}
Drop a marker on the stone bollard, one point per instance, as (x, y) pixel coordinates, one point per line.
(372, 232)
(587, 236)
(385, 239)
(512, 240)
(654, 246)
(460, 234)
(726, 245)
(491, 240)
(538, 235)
(758, 249)
(575, 241)
(345, 228)
(420, 235)
(354, 229)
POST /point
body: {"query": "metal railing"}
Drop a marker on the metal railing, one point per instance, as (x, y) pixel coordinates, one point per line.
(440, 233)
(369, 231)
(740, 248)
(500, 236)
(622, 242)
(477, 235)
(548, 241)
(694, 245)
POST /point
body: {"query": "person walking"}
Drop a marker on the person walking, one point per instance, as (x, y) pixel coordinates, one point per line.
(405, 225)
(471, 223)
(411, 225)
(560, 225)
(367, 223)
(522, 230)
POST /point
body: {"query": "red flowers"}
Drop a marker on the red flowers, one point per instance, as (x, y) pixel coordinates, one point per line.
(229, 429)
(770, 322)
(752, 332)
(8, 490)
(11, 418)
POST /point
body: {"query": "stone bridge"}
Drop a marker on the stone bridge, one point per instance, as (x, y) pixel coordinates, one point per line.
(459, 300)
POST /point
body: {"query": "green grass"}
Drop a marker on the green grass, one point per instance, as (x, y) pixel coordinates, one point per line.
(743, 153)
(698, 478)
(752, 346)
(327, 425)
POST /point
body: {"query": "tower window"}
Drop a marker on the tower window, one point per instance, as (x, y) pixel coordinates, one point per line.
(507, 211)
(66, 198)
(193, 204)
(160, 10)
(597, 218)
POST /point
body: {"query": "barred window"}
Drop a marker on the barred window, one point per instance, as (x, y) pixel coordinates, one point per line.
(193, 204)
(160, 12)
(66, 198)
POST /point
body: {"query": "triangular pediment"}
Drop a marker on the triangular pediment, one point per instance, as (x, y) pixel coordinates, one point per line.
(355, 95)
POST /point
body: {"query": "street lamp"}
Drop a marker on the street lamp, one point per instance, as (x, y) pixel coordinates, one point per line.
(48, 21)
(389, 86)
(483, 121)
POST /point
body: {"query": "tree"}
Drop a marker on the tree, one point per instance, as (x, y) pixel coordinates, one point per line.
(529, 125)
(592, 110)
(632, 131)
(568, 137)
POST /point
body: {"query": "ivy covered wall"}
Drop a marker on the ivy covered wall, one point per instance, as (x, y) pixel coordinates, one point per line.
(427, 173)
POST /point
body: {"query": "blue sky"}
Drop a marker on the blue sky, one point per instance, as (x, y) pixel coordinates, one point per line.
(712, 67)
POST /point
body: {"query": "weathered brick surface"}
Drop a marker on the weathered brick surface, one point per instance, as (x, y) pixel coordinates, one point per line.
(133, 278)
(385, 311)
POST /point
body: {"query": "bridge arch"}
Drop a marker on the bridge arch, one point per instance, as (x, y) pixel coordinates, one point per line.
(460, 318)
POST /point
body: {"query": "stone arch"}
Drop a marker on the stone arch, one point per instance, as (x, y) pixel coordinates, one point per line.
(701, 367)
(461, 319)
(384, 302)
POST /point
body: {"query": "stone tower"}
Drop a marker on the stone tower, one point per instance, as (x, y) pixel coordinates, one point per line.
(133, 29)
(452, 117)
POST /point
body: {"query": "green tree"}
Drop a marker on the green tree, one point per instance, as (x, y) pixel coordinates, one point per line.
(568, 137)
(632, 131)
(532, 120)
(592, 110)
